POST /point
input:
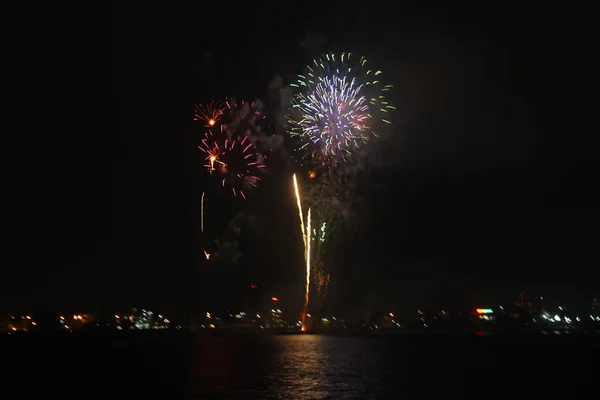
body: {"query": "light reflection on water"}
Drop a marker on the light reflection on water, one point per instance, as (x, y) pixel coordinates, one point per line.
(304, 366)
(319, 367)
(333, 367)
(289, 367)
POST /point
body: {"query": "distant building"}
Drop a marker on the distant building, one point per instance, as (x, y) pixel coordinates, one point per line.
(276, 320)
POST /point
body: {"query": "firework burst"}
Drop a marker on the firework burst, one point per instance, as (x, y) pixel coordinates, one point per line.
(242, 162)
(213, 150)
(236, 161)
(339, 104)
(209, 113)
(228, 144)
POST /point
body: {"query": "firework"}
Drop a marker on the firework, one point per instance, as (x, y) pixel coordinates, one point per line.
(338, 106)
(228, 145)
(209, 113)
(229, 133)
(236, 159)
(330, 196)
(307, 287)
(241, 166)
(306, 237)
(213, 150)
(297, 191)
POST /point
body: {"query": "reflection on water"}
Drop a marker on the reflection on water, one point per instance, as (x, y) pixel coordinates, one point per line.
(330, 367)
(288, 367)
(303, 366)
(319, 367)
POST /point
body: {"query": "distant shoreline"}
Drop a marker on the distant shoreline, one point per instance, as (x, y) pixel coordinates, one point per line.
(229, 332)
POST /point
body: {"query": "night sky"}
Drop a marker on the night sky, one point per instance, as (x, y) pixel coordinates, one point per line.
(487, 185)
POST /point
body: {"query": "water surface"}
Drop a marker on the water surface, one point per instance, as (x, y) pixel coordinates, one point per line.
(300, 367)
(394, 367)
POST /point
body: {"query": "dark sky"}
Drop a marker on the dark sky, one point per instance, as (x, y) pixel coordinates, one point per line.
(487, 185)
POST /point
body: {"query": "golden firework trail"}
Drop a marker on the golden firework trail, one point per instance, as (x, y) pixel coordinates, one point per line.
(300, 210)
(307, 255)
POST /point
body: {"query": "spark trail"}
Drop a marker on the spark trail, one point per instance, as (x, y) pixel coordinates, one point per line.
(202, 213)
(300, 210)
(307, 290)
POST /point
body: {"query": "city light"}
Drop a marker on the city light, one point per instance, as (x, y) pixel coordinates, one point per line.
(272, 316)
